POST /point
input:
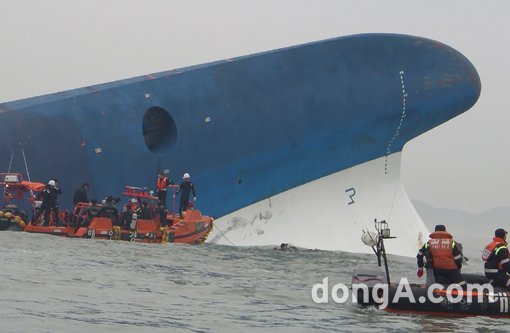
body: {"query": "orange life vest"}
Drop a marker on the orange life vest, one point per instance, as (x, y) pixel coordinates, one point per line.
(441, 249)
(162, 183)
(496, 242)
(489, 249)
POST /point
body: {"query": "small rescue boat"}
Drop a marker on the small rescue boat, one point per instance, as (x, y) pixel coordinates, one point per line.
(15, 189)
(157, 226)
(60, 228)
(58, 225)
(371, 286)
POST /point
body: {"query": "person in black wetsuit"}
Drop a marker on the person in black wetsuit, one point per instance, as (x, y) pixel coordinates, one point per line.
(146, 212)
(89, 213)
(127, 217)
(49, 198)
(185, 188)
(162, 211)
(80, 195)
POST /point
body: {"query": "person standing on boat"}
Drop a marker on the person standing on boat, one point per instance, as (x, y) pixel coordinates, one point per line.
(127, 217)
(497, 260)
(49, 203)
(443, 256)
(162, 184)
(162, 211)
(185, 188)
(80, 195)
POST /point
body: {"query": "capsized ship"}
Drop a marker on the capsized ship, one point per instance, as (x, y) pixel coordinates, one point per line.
(299, 145)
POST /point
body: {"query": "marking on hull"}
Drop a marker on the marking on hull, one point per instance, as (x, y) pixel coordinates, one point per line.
(402, 117)
(351, 196)
(503, 302)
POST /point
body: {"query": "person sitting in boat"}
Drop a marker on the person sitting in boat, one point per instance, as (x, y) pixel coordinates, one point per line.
(49, 197)
(497, 260)
(443, 256)
(89, 213)
(109, 209)
(110, 201)
(146, 212)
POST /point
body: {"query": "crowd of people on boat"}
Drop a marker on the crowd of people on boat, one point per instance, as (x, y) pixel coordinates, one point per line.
(136, 208)
(443, 256)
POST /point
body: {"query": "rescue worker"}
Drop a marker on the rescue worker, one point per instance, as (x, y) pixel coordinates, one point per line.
(162, 184)
(110, 201)
(126, 218)
(162, 211)
(497, 260)
(185, 188)
(49, 197)
(109, 209)
(443, 256)
(90, 212)
(146, 212)
(80, 195)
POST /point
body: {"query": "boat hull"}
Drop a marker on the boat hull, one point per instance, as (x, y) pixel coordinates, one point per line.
(462, 304)
(8, 224)
(479, 298)
(247, 129)
(192, 229)
(330, 213)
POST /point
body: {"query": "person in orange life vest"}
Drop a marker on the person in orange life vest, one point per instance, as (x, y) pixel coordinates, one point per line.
(162, 184)
(497, 260)
(444, 257)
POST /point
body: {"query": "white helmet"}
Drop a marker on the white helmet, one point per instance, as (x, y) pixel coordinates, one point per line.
(186, 176)
(51, 183)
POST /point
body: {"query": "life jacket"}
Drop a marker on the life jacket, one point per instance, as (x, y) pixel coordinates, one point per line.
(441, 248)
(162, 183)
(495, 246)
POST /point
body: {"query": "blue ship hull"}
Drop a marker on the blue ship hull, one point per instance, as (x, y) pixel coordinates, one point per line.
(245, 128)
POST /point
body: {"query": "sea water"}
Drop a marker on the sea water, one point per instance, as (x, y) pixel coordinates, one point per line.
(56, 284)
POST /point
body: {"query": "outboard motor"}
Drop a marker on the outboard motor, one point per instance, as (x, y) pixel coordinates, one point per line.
(364, 278)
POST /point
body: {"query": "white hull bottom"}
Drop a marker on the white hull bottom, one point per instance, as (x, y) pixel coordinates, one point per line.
(330, 213)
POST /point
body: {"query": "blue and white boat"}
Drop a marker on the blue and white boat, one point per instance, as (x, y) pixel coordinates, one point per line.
(299, 145)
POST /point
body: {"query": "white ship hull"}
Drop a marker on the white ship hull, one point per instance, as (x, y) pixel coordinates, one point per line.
(331, 213)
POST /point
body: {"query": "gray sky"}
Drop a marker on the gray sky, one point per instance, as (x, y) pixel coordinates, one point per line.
(54, 45)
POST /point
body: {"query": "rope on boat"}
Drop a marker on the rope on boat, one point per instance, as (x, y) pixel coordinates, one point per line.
(221, 233)
(10, 163)
(28, 175)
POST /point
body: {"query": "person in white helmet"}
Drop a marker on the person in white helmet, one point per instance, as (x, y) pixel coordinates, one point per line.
(49, 203)
(185, 188)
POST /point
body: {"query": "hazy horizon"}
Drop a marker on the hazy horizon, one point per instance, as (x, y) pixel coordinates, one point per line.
(55, 45)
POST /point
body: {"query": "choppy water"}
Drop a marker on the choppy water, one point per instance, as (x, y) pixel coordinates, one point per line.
(53, 284)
